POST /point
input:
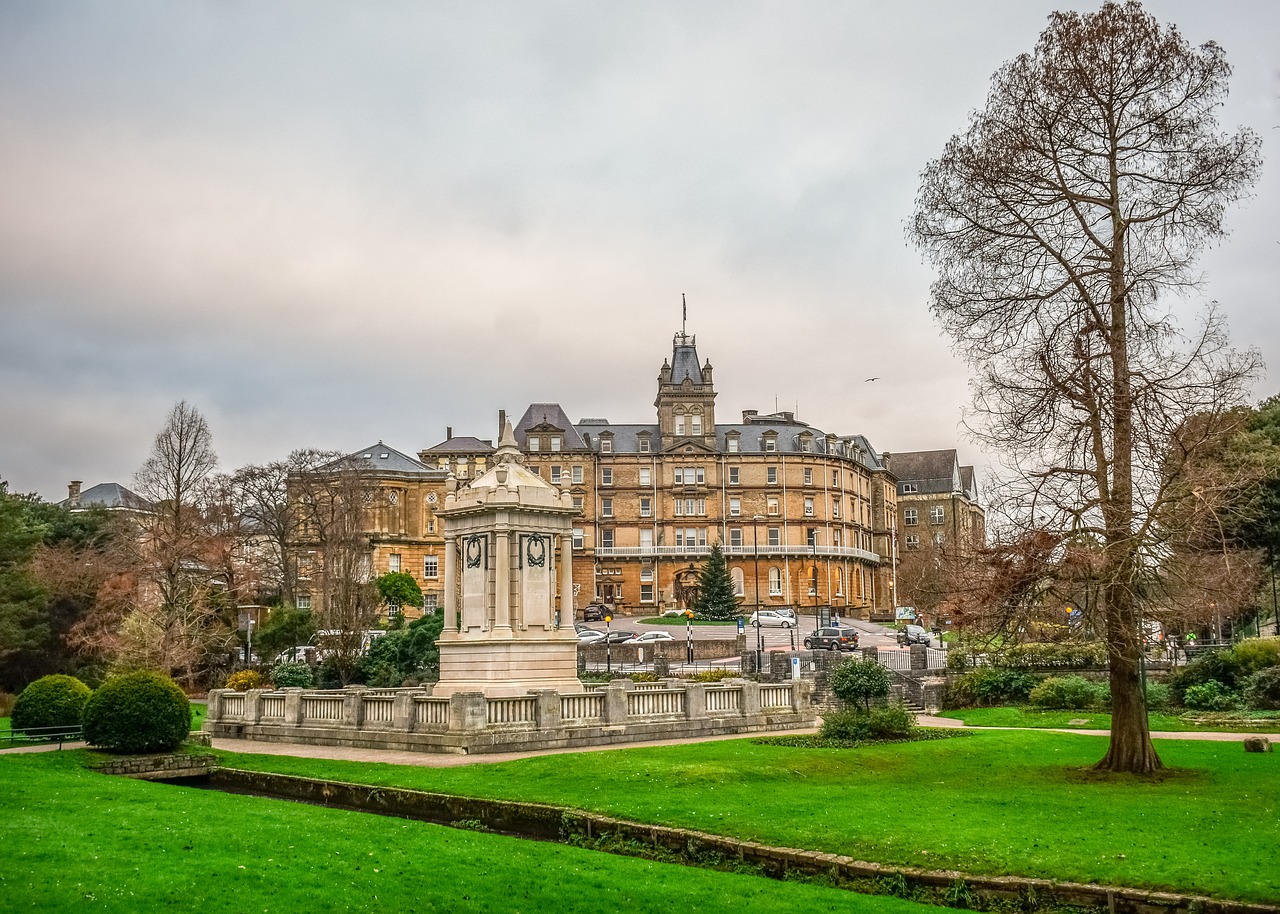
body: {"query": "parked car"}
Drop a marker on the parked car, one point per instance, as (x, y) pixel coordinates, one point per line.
(618, 637)
(832, 639)
(669, 613)
(590, 636)
(914, 634)
(650, 637)
(594, 613)
(768, 617)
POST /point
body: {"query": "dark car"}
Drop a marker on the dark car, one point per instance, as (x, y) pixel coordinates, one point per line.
(914, 634)
(594, 613)
(832, 639)
(617, 637)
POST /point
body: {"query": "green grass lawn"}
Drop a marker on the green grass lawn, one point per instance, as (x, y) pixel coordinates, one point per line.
(76, 840)
(995, 802)
(1268, 722)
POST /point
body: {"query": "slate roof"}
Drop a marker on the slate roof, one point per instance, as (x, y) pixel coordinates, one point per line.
(684, 360)
(112, 496)
(931, 472)
(382, 458)
(462, 444)
(548, 414)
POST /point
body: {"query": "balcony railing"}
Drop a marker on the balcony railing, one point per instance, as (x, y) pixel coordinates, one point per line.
(765, 551)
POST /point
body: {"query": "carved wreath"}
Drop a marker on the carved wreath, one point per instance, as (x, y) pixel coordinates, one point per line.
(535, 551)
(475, 551)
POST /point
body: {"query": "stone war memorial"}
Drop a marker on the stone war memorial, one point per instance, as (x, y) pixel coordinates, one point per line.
(508, 653)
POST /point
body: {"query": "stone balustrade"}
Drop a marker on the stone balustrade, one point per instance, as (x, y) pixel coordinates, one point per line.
(412, 719)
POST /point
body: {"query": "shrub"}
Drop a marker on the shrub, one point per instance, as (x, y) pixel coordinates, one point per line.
(1262, 690)
(1158, 696)
(1068, 693)
(857, 681)
(52, 701)
(1222, 667)
(137, 712)
(1254, 654)
(1209, 696)
(893, 721)
(243, 680)
(645, 677)
(293, 676)
(717, 675)
(848, 725)
(992, 686)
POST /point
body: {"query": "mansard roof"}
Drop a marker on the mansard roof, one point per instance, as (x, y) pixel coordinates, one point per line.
(931, 472)
(109, 495)
(684, 360)
(462, 444)
(382, 458)
(550, 415)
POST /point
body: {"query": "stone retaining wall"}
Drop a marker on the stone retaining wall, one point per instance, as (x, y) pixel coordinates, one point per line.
(159, 767)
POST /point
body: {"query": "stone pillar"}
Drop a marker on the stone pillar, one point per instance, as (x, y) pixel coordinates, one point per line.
(353, 707)
(871, 653)
(502, 582)
(566, 581)
(452, 620)
(468, 711)
(252, 706)
(695, 701)
(615, 702)
(919, 657)
(750, 698)
(402, 710)
(293, 707)
(547, 710)
(801, 695)
(214, 712)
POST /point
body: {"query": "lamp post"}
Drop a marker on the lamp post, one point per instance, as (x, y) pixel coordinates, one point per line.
(249, 642)
(688, 626)
(608, 646)
(755, 549)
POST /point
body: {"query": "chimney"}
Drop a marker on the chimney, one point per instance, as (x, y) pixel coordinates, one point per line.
(448, 433)
(748, 415)
(73, 493)
(502, 422)
(886, 458)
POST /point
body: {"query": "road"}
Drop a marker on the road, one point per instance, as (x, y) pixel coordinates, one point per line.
(870, 634)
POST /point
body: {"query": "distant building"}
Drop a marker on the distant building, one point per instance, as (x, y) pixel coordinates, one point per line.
(937, 501)
(111, 496)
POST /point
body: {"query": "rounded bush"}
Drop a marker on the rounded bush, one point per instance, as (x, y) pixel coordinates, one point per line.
(1158, 696)
(1262, 690)
(52, 701)
(1068, 693)
(137, 712)
(893, 721)
(990, 686)
(293, 676)
(848, 726)
(243, 680)
(860, 682)
(1209, 696)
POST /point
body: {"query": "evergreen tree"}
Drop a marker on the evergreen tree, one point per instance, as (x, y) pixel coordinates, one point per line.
(716, 599)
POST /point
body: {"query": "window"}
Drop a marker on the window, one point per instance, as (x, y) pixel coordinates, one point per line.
(555, 474)
(535, 443)
(691, 506)
(304, 601)
(646, 477)
(646, 539)
(646, 507)
(775, 582)
(606, 507)
(731, 444)
(808, 476)
(813, 581)
(695, 425)
(808, 507)
(936, 514)
(606, 539)
(735, 507)
(811, 536)
(393, 562)
(775, 536)
(679, 425)
(555, 442)
(606, 476)
(606, 445)
(393, 498)
(430, 603)
(739, 587)
(577, 475)
(771, 475)
(701, 475)
(806, 444)
(646, 593)
(646, 573)
(735, 536)
(913, 541)
(835, 507)
(770, 442)
(909, 487)
(577, 503)
(771, 504)
(643, 443)
(734, 476)
(678, 507)
(393, 610)
(939, 539)
(835, 479)
(910, 517)
(430, 566)
(577, 537)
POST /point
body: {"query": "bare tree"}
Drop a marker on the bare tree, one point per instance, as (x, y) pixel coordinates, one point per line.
(1061, 222)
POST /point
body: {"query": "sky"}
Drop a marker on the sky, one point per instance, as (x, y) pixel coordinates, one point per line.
(327, 224)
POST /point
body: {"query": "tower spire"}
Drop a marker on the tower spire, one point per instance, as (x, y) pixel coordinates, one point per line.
(684, 313)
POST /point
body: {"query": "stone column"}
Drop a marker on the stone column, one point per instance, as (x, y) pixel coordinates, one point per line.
(750, 698)
(293, 707)
(402, 711)
(353, 707)
(615, 702)
(695, 701)
(215, 705)
(871, 653)
(467, 711)
(451, 619)
(502, 582)
(919, 657)
(566, 581)
(252, 706)
(547, 710)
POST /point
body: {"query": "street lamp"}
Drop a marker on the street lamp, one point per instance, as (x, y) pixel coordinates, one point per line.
(755, 549)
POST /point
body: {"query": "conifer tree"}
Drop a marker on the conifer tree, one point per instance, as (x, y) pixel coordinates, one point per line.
(716, 599)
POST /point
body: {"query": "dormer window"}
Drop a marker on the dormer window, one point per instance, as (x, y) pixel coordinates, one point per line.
(642, 442)
(731, 444)
(535, 443)
(606, 445)
(770, 442)
(555, 442)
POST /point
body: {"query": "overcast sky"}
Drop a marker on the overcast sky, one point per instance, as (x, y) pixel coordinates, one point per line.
(325, 224)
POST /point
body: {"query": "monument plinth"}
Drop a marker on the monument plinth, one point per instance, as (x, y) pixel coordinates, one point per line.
(508, 603)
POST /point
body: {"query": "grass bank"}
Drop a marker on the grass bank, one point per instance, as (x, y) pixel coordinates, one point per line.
(79, 840)
(1021, 803)
(1260, 722)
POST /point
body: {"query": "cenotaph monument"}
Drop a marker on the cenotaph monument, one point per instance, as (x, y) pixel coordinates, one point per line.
(504, 633)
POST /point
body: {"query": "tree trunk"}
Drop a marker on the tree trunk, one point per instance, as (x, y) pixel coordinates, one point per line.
(1131, 749)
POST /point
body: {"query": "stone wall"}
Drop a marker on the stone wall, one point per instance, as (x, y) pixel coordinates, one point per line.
(159, 767)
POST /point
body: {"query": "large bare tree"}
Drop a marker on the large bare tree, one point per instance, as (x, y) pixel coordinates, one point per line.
(1065, 224)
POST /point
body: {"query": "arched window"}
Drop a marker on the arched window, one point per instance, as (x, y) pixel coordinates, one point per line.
(775, 582)
(739, 589)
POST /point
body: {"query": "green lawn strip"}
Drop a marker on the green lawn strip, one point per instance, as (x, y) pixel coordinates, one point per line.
(198, 712)
(1100, 720)
(77, 840)
(1001, 802)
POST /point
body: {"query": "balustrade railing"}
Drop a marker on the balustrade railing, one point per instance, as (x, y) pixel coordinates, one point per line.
(586, 706)
(775, 696)
(724, 699)
(655, 701)
(273, 707)
(322, 708)
(378, 709)
(511, 711)
(431, 712)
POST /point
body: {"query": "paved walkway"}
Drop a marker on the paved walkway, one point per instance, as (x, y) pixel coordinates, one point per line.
(927, 720)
